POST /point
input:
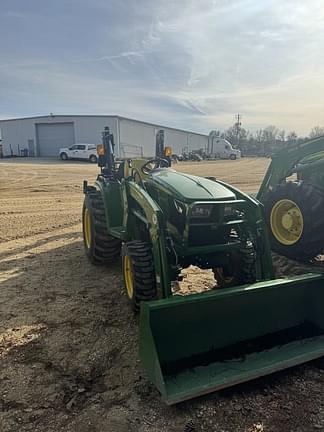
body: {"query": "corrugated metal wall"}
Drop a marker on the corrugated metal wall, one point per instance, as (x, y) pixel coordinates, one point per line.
(18, 134)
(137, 138)
(132, 138)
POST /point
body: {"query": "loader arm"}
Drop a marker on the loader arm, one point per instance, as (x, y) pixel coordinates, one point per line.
(284, 162)
(155, 222)
(258, 226)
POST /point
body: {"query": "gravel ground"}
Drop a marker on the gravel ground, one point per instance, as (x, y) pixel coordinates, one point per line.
(68, 340)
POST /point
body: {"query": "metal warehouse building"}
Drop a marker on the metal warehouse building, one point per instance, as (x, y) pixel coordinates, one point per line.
(43, 136)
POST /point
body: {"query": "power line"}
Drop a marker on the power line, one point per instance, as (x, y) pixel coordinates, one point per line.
(238, 125)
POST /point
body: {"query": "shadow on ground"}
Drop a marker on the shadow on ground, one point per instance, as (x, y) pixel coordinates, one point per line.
(69, 359)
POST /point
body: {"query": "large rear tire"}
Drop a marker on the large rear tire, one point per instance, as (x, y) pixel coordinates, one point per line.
(294, 212)
(99, 246)
(138, 272)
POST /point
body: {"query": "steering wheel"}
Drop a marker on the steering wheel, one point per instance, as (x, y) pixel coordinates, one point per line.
(136, 175)
(153, 164)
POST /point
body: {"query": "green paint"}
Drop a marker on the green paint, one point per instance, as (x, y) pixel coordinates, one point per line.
(183, 340)
(189, 188)
(152, 205)
(306, 160)
(175, 331)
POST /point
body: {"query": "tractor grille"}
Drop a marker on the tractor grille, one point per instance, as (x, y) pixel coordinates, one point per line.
(207, 235)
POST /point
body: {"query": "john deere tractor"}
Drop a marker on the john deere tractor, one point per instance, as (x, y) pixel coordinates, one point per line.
(161, 221)
(293, 194)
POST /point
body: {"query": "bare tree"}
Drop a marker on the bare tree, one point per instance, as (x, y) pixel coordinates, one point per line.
(270, 133)
(292, 137)
(282, 135)
(316, 132)
(231, 135)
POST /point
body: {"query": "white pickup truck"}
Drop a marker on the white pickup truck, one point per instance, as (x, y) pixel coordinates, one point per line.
(79, 151)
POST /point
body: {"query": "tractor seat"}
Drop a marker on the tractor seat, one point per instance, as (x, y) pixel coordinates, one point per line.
(136, 165)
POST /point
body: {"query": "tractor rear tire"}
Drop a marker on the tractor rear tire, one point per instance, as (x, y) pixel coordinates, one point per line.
(241, 269)
(138, 272)
(308, 201)
(100, 247)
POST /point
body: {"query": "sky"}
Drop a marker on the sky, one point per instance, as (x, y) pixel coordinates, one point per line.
(187, 64)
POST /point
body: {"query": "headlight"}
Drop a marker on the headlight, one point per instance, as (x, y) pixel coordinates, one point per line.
(233, 212)
(201, 211)
(229, 211)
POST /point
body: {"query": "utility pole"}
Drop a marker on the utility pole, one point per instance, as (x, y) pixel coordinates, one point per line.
(237, 125)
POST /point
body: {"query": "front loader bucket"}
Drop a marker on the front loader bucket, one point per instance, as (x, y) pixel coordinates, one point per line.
(196, 344)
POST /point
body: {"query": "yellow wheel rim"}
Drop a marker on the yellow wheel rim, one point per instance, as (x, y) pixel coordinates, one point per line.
(287, 222)
(87, 227)
(128, 276)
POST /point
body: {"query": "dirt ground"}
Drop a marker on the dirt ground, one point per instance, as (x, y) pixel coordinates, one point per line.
(68, 339)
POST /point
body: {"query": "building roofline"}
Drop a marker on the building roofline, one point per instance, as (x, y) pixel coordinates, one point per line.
(56, 115)
(160, 126)
(103, 115)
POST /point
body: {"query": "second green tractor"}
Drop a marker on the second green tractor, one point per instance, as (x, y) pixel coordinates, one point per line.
(293, 195)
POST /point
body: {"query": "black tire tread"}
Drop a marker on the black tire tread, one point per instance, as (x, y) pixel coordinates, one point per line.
(244, 265)
(310, 200)
(141, 257)
(248, 263)
(106, 249)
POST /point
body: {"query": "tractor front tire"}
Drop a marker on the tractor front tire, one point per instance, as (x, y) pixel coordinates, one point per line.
(294, 212)
(139, 273)
(241, 269)
(99, 246)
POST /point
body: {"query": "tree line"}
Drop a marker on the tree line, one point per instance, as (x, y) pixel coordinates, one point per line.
(265, 141)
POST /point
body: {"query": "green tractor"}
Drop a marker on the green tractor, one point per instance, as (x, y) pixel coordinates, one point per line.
(293, 195)
(161, 221)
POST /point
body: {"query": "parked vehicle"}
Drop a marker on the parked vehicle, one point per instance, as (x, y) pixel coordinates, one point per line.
(195, 157)
(220, 148)
(177, 157)
(79, 151)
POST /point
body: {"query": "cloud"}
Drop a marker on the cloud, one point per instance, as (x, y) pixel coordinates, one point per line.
(14, 14)
(187, 64)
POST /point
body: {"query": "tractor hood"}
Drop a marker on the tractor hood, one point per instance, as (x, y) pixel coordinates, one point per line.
(190, 188)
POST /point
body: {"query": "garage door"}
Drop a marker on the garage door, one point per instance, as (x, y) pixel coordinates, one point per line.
(51, 137)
